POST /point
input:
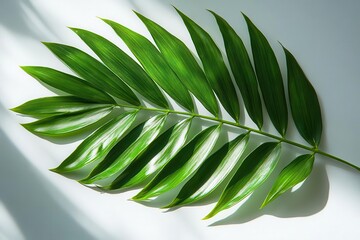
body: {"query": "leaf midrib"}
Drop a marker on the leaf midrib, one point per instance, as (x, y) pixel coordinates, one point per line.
(238, 125)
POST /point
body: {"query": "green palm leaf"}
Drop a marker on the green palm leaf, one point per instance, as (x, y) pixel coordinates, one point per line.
(51, 106)
(69, 84)
(242, 69)
(93, 71)
(182, 62)
(125, 151)
(182, 165)
(296, 172)
(67, 124)
(154, 64)
(159, 152)
(123, 66)
(214, 67)
(269, 77)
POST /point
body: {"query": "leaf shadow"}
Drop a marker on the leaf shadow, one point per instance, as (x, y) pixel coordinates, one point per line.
(37, 207)
(307, 200)
(22, 17)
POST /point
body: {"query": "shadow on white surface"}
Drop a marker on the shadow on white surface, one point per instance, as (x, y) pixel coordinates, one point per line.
(39, 210)
(310, 199)
(23, 17)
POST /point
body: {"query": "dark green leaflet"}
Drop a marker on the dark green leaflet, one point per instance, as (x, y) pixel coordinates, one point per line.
(180, 59)
(159, 152)
(93, 71)
(304, 104)
(123, 66)
(154, 64)
(296, 172)
(212, 172)
(51, 106)
(242, 69)
(214, 66)
(127, 149)
(68, 83)
(97, 145)
(182, 165)
(269, 77)
(254, 170)
(67, 124)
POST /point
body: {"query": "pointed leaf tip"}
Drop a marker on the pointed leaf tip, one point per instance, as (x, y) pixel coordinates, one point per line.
(304, 103)
(183, 63)
(214, 66)
(269, 77)
(158, 153)
(242, 70)
(213, 171)
(123, 66)
(154, 64)
(252, 173)
(93, 71)
(100, 142)
(294, 173)
(183, 164)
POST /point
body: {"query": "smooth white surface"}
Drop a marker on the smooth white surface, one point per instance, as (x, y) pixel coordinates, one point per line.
(323, 35)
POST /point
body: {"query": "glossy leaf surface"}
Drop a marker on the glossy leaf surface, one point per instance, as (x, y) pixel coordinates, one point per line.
(269, 77)
(159, 152)
(51, 106)
(254, 170)
(294, 173)
(67, 124)
(127, 149)
(97, 145)
(214, 67)
(212, 172)
(182, 165)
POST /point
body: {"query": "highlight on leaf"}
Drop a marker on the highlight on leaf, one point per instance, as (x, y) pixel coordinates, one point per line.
(136, 144)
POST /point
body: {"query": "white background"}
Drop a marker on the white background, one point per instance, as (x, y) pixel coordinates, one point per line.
(324, 35)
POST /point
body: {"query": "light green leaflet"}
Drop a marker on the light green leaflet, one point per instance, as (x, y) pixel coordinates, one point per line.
(97, 145)
(212, 172)
(296, 172)
(159, 152)
(135, 143)
(51, 106)
(120, 156)
(67, 124)
(182, 165)
(255, 169)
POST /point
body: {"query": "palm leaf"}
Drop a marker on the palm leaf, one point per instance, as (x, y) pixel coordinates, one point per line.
(269, 77)
(125, 152)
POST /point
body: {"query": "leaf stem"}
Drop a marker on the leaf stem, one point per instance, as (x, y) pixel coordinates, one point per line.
(236, 124)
